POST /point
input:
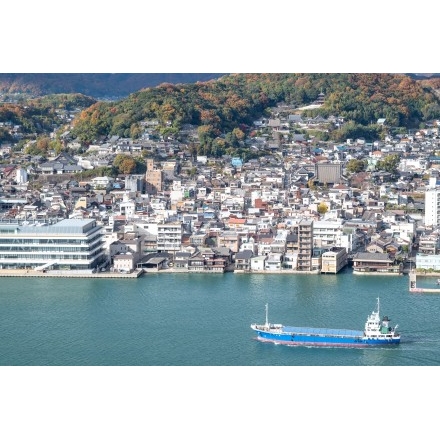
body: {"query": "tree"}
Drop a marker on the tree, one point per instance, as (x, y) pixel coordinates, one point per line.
(56, 145)
(125, 164)
(40, 147)
(356, 166)
(207, 133)
(389, 163)
(238, 133)
(43, 144)
(135, 131)
(218, 147)
(322, 208)
(5, 136)
(191, 172)
(141, 166)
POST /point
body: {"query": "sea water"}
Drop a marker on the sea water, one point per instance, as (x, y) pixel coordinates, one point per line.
(168, 319)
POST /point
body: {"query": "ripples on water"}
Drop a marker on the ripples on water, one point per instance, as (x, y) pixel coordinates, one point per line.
(196, 319)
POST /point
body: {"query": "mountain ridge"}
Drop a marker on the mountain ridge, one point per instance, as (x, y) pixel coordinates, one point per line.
(96, 85)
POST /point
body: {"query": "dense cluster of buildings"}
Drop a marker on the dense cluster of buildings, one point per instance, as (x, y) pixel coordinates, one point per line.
(293, 208)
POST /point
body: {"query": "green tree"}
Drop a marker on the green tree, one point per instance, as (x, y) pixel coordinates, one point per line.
(356, 166)
(388, 163)
(135, 131)
(5, 136)
(207, 134)
(56, 145)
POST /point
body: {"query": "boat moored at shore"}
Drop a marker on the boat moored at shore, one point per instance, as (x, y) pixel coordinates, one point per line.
(377, 332)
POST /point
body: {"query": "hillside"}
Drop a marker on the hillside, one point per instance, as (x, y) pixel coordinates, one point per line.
(220, 106)
(96, 85)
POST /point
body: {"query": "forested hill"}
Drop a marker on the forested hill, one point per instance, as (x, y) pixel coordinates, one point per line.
(220, 106)
(96, 85)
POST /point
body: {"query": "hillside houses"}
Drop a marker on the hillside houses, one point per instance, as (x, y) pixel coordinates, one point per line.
(233, 212)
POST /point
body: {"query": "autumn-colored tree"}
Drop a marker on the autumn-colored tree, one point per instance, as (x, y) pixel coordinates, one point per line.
(236, 100)
(43, 144)
(238, 133)
(322, 208)
(125, 164)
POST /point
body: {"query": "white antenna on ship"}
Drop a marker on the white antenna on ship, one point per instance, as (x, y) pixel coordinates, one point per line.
(267, 308)
(378, 306)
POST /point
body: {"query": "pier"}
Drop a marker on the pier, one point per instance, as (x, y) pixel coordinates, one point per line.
(413, 283)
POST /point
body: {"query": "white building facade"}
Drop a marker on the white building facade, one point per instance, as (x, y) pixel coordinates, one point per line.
(68, 244)
(432, 206)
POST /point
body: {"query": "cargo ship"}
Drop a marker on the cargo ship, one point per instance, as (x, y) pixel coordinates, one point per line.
(377, 332)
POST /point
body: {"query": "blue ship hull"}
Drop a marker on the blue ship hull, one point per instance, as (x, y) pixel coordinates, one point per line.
(323, 337)
(377, 333)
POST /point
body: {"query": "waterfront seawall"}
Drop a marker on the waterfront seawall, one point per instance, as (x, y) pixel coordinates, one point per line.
(30, 273)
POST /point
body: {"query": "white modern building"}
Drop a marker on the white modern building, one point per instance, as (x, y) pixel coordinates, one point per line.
(333, 233)
(427, 261)
(432, 206)
(169, 237)
(68, 244)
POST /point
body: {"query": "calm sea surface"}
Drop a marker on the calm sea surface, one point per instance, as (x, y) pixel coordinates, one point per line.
(203, 320)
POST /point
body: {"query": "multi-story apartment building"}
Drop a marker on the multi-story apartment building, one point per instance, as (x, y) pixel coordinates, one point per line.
(153, 178)
(169, 237)
(305, 245)
(429, 244)
(327, 234)
(432, 205)
(68, 244)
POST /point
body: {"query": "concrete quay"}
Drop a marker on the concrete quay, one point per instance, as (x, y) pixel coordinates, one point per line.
(30, 273)
(137, 273)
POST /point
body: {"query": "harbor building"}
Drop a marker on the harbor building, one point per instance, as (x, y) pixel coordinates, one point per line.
(72, 244)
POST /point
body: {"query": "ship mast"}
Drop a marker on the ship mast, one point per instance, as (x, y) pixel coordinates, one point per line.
(267, 322)
(378, 306)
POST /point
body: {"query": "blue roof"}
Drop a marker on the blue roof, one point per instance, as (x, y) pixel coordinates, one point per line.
(236, 161)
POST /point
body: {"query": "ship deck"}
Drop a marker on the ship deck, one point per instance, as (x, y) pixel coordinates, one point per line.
(323, 331)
